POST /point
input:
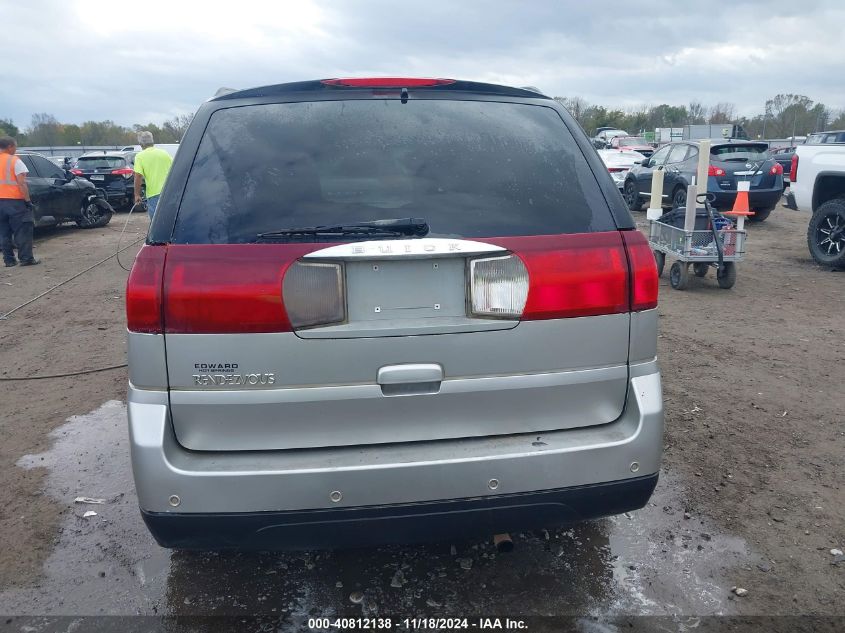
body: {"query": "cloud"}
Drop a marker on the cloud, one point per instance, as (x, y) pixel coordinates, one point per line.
(151, 61)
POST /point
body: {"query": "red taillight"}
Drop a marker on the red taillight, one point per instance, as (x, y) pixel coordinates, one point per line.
(712, 170)
(126, 171)
(793, 169)
(388, 82)
(572, 275)
(776, 170)
(643, 271)
(615, 169)
(143, 291)
(76, 172)
(227, 288)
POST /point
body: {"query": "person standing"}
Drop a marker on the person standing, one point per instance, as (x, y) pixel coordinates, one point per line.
(17, 220)
(151, 167)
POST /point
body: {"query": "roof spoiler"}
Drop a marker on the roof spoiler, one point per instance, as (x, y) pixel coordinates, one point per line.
(223, 91)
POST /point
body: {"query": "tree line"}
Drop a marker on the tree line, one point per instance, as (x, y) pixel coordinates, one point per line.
(784, 115)
(46, 130)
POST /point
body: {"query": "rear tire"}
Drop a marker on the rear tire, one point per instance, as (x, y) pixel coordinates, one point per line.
(727, 278)
(660, 260)
(96, 213)
(700, 269)
(632, 197)
(826, 234)
(760, 214)
(679, 198)
(679, 275)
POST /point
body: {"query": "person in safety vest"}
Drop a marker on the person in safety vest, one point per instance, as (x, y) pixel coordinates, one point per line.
(17, 220)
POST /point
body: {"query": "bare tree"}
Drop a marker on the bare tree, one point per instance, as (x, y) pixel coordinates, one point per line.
(44, 130)
(577, 107)
(790, 114)
(175, 128)
(722, 113)
(696, 113)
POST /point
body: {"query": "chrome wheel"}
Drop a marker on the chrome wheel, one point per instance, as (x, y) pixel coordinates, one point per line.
(831, 234)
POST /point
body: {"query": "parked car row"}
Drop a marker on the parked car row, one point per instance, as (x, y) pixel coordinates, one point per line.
(730, 162)
(110, 171)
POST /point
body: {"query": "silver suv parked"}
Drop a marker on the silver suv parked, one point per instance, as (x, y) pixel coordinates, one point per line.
(372, 310)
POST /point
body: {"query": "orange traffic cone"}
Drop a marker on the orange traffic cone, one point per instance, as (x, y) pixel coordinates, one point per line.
(740, 211)
(741, 204)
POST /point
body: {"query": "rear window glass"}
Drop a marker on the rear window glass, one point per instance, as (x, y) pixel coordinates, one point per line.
(101, 162)
(632, 141)
(740, 152)
(469, 168)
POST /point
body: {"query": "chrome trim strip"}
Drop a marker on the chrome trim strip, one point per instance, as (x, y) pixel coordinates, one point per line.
(405, 249)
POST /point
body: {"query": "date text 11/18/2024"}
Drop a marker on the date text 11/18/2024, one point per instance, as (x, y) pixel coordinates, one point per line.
(416, 624)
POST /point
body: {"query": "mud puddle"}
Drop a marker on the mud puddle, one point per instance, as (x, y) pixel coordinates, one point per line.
(656, 561)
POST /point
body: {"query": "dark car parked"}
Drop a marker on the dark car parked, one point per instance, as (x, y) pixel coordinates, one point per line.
(783, 156)
(729, 162)
(112, 172)
(59, 196)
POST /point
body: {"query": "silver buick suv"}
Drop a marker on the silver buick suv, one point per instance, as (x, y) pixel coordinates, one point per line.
(392, 309)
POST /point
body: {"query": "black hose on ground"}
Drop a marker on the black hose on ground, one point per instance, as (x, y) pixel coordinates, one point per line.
(81, 372)
(5, 316)
(143, 205)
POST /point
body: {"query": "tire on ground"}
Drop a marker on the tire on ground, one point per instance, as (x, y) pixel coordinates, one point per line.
(95, 214)
(660, 260)
(679, 198)
(727, 278)
(632, 198)
(679, 275)
(826, 234)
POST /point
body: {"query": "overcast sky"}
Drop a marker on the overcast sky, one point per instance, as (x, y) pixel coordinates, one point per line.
(147, 61)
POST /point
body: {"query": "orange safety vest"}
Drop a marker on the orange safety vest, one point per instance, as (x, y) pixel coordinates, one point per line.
(9, 188)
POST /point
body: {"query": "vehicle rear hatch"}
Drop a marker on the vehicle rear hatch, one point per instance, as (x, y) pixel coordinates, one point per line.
(733, 162)
(107, 172)
(508, 313)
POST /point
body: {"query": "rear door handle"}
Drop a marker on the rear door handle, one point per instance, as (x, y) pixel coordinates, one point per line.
(410, 373)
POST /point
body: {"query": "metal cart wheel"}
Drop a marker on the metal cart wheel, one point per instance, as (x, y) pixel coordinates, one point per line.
(727, 278)
(700, 269)
(660, 260)
(679, 275)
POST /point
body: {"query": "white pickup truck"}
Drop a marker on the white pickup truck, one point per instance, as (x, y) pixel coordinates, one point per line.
(817, 183)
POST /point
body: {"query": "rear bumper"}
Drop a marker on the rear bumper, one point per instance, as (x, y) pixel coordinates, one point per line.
(284, 498)
(114, 189)
(401, 523)
(757, 199)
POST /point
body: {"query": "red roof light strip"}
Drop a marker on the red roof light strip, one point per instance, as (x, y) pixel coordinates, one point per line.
(387, 82)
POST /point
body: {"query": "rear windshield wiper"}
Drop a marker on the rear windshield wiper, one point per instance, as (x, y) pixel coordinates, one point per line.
(416, 227)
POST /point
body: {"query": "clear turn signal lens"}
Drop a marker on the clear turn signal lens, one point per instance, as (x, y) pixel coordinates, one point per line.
(498, 286)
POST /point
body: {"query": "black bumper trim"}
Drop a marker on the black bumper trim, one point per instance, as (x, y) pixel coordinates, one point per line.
(402, 523)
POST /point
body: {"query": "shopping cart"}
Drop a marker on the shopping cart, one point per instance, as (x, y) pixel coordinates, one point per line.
(719, 246)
